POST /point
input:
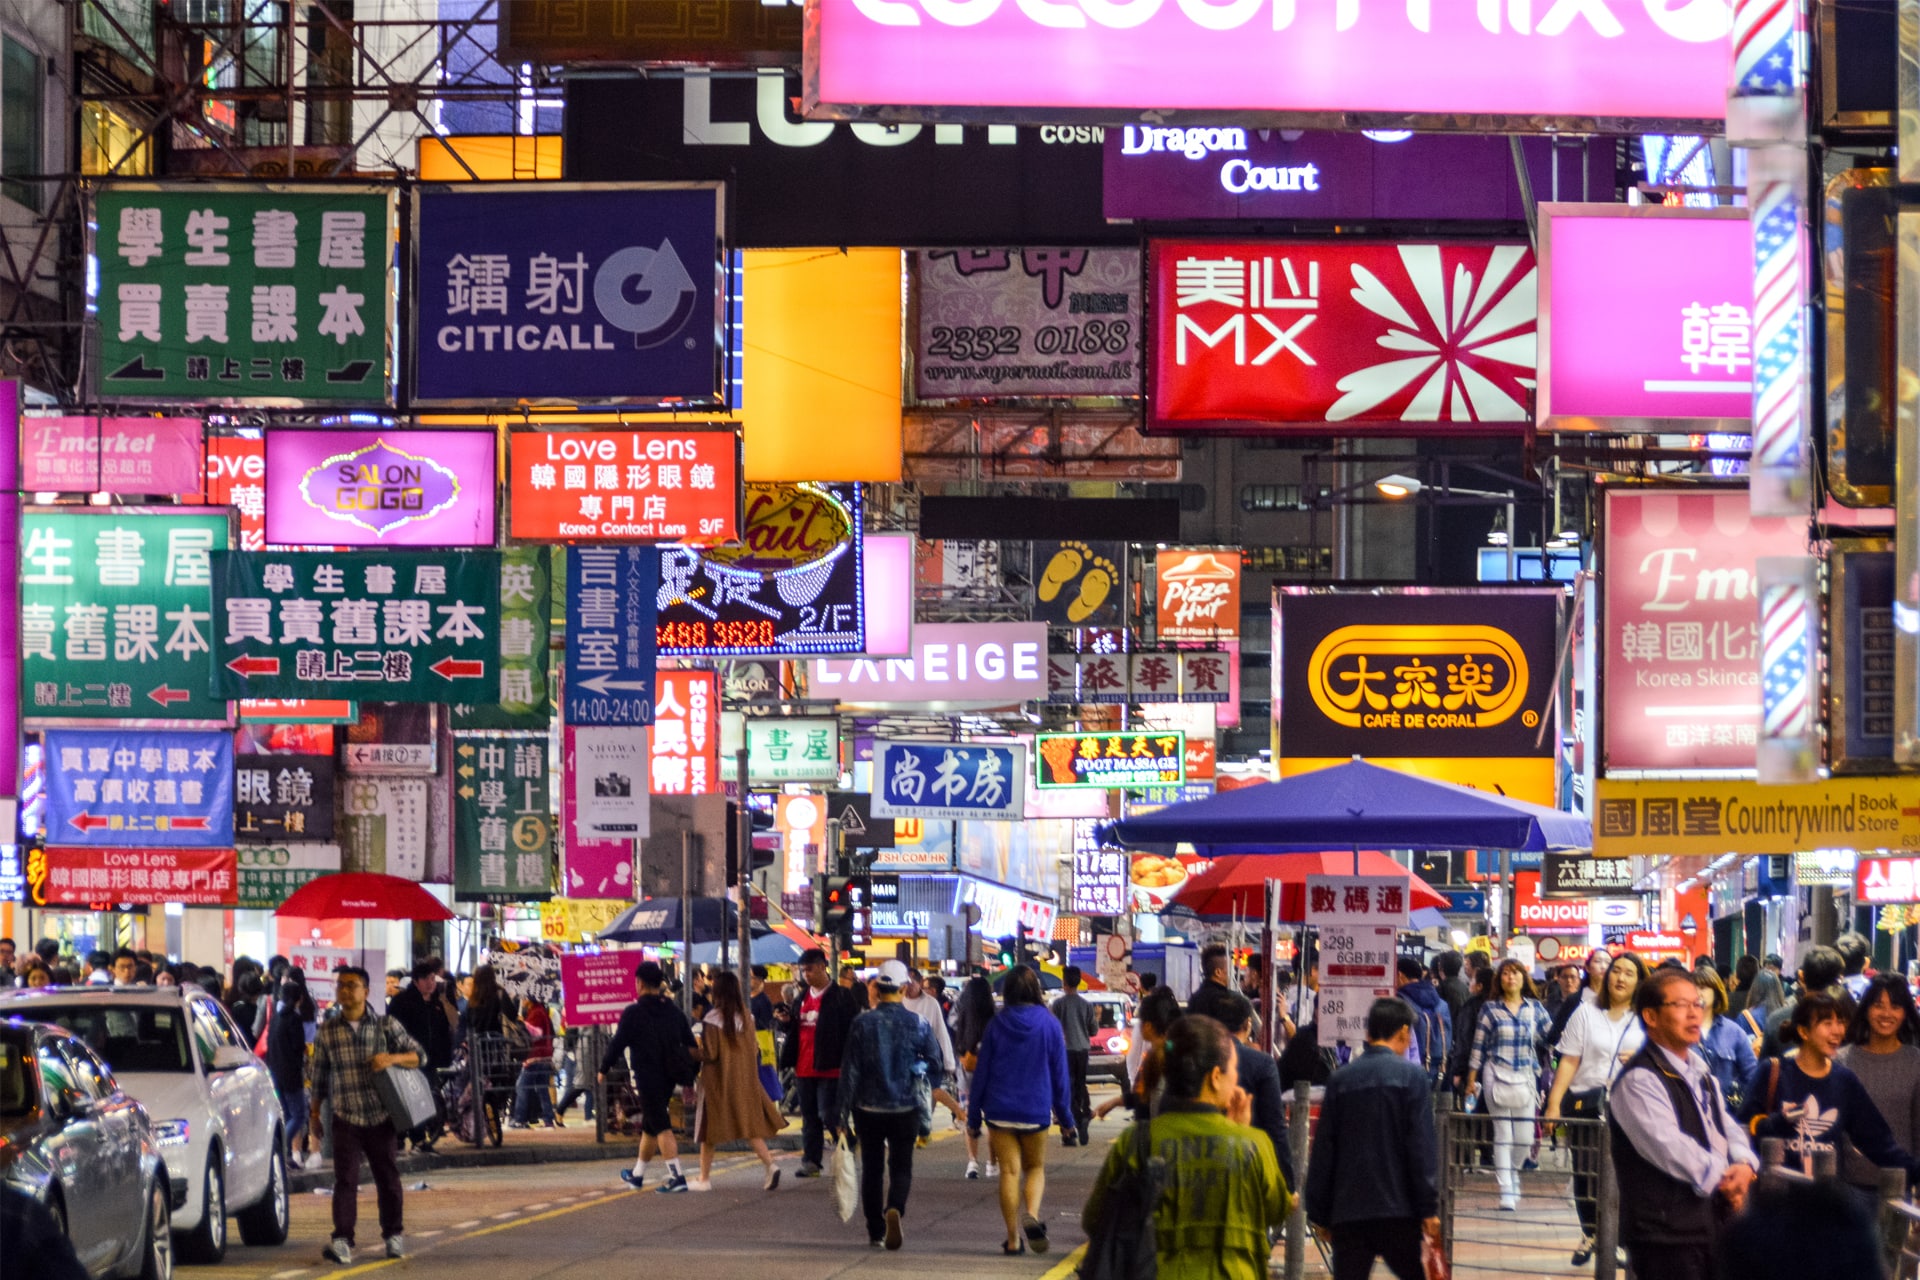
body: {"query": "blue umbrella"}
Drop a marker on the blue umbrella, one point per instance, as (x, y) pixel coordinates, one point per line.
(768, 948)
(1354, 805)
(657, 921)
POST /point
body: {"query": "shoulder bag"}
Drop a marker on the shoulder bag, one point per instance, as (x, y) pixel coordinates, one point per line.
(1124, 1243)
(403, 1091)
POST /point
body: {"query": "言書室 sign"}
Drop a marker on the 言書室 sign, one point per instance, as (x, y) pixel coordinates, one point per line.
(283, 797)
(793, 749)
(1043, 322)
(659, 485)
(1111, 760)
(792, 585)
(394, 626)
(1713, 816)
(992, 663)
(1651, 318)
(380, 488)
(1271, 336)
(572, 294)
(124, 787)
(949, 780)
(612, 597)
(152, 456)
(1681, 669)
(232, 294)
(1575, 59)
(116, 613)
(191, 877)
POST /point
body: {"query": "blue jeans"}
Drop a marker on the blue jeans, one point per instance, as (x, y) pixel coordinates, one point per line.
(819, 1112)
(293, 1105)
(532, 1086)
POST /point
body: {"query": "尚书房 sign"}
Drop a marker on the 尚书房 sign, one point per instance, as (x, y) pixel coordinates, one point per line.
(950, 780)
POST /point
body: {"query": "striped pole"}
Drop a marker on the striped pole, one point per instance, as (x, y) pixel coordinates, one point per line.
(1766, 114)
(1789, 592)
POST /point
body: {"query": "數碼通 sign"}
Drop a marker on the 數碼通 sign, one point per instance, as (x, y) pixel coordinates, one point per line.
(380, 489)
(951, 780)
(1359, 900)
(1111, 760)
(1712, 816)
(613, 594)
(122, 787)
(660, 485)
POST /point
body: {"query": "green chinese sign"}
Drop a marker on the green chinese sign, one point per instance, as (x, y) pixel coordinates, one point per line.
(502, 818)
(224, 294)
(793, 749)
(388, 626)
(270, 873)
(116, 613)
(525, 609)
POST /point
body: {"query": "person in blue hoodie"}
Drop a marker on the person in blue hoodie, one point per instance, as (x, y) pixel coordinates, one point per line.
(1020, 1087)
(1430, 1018)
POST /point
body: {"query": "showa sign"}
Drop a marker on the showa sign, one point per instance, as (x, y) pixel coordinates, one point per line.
(380, 489)
(951, 780)
(141, 789)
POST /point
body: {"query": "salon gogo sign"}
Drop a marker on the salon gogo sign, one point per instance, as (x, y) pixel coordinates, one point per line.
(1644, 59)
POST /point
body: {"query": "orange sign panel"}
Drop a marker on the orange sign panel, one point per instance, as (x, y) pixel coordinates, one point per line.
(1198, 597)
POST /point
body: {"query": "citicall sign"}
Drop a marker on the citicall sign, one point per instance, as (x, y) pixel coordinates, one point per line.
(1651, 60)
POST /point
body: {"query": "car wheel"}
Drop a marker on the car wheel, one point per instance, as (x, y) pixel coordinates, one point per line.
(207, 1243)
(265, 1223)
(156, 1254)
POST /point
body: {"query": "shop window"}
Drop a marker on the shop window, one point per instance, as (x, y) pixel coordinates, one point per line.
(105, 136)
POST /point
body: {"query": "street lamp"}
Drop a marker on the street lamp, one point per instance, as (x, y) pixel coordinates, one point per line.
(1398, 486)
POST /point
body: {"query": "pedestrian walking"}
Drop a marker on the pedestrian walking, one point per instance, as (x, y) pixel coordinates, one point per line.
(1599, 965)
(1723, 1043)
(920, 1000)
(292, 1021)
(891, 1054)
(1372, 1176)
(533, 1087)
(1745, 970)
(1213, 996)
(972, 1011)
(1504, 1069)
(488, 1010)
(423, 1009)
(349, 1050)
(1766, 997)
(733, 1105)
(1259, 1076)
(1881, 1050)
(1676, 1149)
(659, 1046)
(1020, 1087)
(1078, 1021)
(1159, 1010)
(1598, 1041)
(1432, 1032)
(1821, 969)
(1224, 1191)
(813, 1052)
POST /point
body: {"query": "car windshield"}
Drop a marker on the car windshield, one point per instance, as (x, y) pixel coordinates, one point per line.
(132, 1038)
(1109, 1014)
(16, 1086)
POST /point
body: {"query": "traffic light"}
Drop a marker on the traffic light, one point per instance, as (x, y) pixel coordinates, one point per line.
(847, 910)
(1009, 953)
(762, 858)
(860, 920)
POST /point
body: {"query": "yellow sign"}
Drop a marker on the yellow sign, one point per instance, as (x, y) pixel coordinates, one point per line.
(1712, 817)
(489, 157)
(1350, 691)
(573, 919)
(1520, 777)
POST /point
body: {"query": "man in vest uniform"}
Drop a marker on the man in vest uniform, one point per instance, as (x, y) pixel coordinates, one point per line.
(1683, 1162)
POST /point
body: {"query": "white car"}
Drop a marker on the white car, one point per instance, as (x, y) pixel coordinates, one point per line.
(213, 1104)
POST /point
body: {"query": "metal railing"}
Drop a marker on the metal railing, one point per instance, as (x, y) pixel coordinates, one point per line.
(1567, 1203)
(1898, 1219)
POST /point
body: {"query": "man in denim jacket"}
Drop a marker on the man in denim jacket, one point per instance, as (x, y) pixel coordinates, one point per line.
(889, 1048)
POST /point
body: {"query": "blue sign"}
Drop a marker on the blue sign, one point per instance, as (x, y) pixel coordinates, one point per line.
(956, 780)
(574, 295)
(613, 594)
(1486, 862)
(138, 789)
(1469, 902)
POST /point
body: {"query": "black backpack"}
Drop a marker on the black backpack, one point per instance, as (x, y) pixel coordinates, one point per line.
(1123, 1244)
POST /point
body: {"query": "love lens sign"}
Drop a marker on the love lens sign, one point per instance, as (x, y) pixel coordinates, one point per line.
(664, 485)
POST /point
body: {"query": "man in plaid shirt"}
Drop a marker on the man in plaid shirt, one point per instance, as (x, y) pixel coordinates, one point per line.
(349, 1050)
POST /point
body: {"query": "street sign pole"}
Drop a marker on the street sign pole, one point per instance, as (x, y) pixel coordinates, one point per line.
(820, 897)
(743, 838)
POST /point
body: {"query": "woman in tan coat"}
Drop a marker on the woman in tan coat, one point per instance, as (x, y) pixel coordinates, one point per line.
(734, 1107)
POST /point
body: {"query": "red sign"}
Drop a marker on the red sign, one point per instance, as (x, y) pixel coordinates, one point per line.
(659, 485)
(685, 738)
(1201, 757)
(1655, 947)
(1535, 914)
(1198, 594)
(237, 478)
(196, 877)
(1887, 880)
(1414, 338)
(1681, 631)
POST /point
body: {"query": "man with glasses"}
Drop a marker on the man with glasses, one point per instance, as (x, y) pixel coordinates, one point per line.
(813, 1052)
(1676, 1148)
(348, 1052)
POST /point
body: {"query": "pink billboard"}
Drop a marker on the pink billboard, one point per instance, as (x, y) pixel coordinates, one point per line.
(154, 456)
(1648, 60)
(381, 488)
(597, 986)
(1645, 316)
(1681, 633)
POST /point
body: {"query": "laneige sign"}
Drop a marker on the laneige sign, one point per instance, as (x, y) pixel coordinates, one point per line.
(994, 663)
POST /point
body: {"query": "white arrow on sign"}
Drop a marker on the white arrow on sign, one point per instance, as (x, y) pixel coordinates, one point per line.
(600, 684)
(850, 823)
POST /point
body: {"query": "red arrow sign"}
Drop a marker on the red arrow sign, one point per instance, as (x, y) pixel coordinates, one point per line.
(88, 822)
(167, 696)
(248, 666)
(458, 669)
(188, 824)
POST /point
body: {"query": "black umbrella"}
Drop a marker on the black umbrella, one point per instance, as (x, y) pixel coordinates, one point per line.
(657, 921)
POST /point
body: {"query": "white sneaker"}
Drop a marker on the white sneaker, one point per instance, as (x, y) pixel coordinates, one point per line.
(338, 1252)
(973, 1170)
(772, 1179)
(1509, 1204)
(396, 1247)
(993, 1170)
(699, 1184)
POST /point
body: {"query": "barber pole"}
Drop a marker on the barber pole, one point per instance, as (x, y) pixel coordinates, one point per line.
(1789, 639)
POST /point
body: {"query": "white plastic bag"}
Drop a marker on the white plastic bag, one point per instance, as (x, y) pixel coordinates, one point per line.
(846, 1179)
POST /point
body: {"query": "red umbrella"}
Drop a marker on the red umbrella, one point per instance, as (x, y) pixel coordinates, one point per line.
(1236, 882)
(360, 895)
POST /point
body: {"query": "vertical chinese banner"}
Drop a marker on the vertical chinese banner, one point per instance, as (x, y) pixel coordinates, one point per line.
(526, 614)
(503, 823)
(9, 599)
(686, 734)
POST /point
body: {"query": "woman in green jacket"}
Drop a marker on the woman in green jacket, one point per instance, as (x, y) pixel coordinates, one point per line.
(1223, 1189)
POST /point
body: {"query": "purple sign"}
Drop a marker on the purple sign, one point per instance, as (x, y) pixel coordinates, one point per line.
(1645, 317)
(10, 592)
(380, 488)
(1154, 173)
(112, 455)
(1027, 322)
(597, 986)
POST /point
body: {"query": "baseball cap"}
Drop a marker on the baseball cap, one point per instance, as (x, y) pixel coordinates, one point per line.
(892, 973)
